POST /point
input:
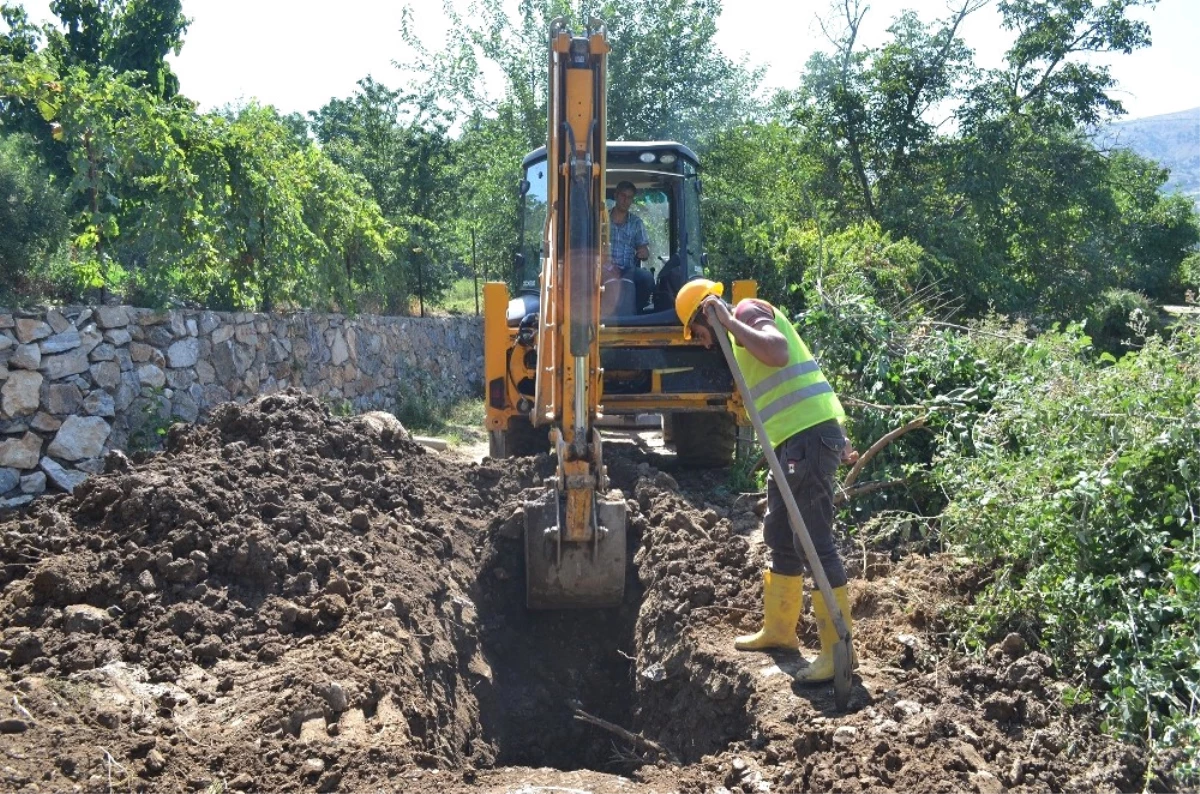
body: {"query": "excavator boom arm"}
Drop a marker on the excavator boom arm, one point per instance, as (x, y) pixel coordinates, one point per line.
(575, 541)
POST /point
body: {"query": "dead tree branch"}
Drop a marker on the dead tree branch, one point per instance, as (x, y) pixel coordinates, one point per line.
(866, 457)
(866, 488)
(634, 738)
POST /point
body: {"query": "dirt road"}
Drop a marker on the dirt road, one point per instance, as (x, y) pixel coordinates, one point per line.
(284, 600)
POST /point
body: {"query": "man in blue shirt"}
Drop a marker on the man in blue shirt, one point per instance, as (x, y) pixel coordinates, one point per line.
(629, 243)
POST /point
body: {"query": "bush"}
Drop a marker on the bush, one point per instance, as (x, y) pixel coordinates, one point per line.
(1080, 488)
(889, 371)
(1189, 275)
(1120, 319)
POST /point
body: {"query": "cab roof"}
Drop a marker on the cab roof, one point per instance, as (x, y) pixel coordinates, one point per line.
(624, 147)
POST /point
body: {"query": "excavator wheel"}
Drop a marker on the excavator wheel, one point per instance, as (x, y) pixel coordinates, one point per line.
(521, 439)
(703, 439)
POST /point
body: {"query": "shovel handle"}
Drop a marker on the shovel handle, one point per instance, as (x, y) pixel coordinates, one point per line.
(799, 529)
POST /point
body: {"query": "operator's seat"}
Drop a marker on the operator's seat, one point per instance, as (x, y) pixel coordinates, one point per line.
(670, 278)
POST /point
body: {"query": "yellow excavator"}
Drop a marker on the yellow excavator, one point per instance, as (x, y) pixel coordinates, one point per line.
(580, 344)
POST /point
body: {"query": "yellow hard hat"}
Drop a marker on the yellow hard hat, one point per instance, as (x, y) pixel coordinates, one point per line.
(691, 294)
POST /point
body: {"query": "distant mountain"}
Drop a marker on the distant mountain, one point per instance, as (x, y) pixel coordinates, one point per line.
(1172, 139)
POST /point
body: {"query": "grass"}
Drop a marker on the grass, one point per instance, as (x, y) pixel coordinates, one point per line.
(460, 298)
(459, 422)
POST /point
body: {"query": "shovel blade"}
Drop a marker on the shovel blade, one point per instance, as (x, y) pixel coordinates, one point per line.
(843, 674)
(564, 575)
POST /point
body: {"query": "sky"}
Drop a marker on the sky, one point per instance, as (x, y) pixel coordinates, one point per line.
(298, 55)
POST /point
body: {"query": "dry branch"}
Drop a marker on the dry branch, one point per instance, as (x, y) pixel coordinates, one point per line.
(866, 488)
(866, 457)
(634, 738)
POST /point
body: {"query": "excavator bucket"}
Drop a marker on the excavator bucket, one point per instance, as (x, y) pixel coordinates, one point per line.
(570, 575)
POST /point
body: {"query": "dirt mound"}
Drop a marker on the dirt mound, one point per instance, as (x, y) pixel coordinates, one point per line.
(286, 600)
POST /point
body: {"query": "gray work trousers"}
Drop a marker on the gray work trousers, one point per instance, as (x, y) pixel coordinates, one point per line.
(809, 459)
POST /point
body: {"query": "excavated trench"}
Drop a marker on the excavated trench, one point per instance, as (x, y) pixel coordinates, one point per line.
(546, 665)
(634, 666)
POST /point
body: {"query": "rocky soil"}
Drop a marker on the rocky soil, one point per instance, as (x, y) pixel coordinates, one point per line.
(283, 600)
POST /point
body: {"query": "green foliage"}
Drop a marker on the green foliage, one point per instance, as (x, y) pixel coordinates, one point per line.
(461, 297)
(422, 411)
(1120, 321)
(234, 211)
(398, 144)
(751, 203)
(1045, 77)
(341, 408)
(668, 78)
(1079, 485)
(748, 474)
(1189, 275)
(125, 36)
(890, 371)
(417, 405)
(297, 229)
(21, 41)
(1016, 207)
(33, 220)
(149, 420)
(486, 168)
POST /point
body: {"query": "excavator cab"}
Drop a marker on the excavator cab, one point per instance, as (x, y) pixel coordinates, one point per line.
(667, 178)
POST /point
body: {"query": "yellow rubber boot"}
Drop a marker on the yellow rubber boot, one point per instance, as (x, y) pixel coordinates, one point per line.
(782, 599)
(821, 668)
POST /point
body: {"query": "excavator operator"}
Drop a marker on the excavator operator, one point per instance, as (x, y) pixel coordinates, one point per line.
(803, 420)
(630, 245)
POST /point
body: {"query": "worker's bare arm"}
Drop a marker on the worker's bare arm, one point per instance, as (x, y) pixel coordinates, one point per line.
(762, 341)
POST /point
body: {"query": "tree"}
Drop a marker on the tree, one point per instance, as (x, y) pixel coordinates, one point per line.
(1044, 77)
(1036, 188)
(667, 78)
(486, 165)
(399, 144)
(1014, 204)
(234, 211)
(33, 223)
(123, 35)
(1155, 233)
(21, 41)
(396, 142)
(867, 112)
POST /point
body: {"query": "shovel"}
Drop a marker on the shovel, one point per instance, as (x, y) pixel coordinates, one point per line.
(841, 651)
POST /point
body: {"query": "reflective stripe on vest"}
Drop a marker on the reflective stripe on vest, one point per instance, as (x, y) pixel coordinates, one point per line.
(793, 397)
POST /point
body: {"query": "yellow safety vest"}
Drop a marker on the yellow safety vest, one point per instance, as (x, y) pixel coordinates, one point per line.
(790, 398)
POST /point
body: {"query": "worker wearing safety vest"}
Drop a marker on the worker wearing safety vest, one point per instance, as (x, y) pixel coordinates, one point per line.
(803, 420)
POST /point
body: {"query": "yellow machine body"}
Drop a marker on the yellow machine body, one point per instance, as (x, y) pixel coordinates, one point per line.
(568, 352)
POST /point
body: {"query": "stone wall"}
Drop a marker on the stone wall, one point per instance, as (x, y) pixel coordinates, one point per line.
(76, 382)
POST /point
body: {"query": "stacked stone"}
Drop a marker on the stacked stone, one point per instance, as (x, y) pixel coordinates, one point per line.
(76, 382)
(59, 372)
